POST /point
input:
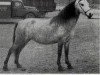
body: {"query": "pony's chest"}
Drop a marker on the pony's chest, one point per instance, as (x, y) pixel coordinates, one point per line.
(61, 31)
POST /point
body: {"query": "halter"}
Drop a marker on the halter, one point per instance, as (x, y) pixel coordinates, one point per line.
(83, 9)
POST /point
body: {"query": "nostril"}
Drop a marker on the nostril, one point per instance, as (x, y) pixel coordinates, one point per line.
(90, 15)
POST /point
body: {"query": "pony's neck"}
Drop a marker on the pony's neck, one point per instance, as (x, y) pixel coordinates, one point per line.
(66, 14)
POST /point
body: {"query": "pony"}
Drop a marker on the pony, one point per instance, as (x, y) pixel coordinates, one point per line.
(58, 29)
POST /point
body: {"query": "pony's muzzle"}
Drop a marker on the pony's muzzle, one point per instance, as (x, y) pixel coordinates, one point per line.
(90, 15)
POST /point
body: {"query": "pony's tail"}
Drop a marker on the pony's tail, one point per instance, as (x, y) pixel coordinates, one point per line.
(14, 32)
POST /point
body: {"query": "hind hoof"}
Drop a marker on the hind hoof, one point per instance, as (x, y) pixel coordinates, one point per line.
(20, 67)
(5, 69)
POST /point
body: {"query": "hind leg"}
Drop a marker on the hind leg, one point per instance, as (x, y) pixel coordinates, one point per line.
(11, 50)
(17, 53)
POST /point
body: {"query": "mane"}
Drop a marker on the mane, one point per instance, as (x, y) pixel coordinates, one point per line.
(66, 14)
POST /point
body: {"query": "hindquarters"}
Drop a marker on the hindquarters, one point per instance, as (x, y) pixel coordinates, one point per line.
(20, 33)
(19, 41)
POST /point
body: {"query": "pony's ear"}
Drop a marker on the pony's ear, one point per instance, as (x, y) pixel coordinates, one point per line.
(77, 1)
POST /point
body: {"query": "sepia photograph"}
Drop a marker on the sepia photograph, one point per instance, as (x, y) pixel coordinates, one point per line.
(49, 36)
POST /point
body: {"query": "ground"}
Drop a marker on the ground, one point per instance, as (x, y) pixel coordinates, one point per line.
(37, 58)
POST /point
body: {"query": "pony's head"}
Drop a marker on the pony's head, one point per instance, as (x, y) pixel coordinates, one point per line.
(83, 7)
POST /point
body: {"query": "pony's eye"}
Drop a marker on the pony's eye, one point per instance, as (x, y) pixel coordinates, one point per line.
(82, 4)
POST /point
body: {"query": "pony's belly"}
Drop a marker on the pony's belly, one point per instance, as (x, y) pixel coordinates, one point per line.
(45, 40)
(49, 36)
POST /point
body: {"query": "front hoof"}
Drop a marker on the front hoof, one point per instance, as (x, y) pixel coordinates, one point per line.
(60, 69)
(5, 69)
(70, 67)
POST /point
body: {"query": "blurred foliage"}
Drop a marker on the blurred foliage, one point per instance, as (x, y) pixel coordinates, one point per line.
(93, 3)
(68, 1)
